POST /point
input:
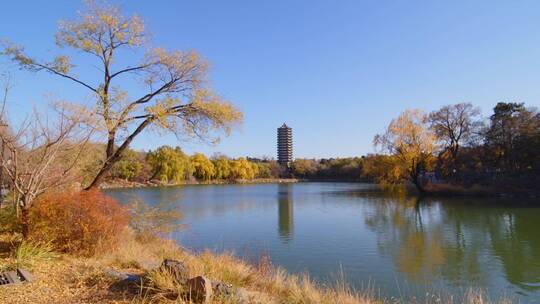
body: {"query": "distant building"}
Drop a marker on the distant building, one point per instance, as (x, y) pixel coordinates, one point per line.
(284, 145)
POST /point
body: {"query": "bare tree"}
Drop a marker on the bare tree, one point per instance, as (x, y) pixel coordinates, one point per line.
(455, 125)
(3, 129)
(41, 156)
(175, 96)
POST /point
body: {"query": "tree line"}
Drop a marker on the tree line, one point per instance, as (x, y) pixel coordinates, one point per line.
(172, 165)
(456, 145)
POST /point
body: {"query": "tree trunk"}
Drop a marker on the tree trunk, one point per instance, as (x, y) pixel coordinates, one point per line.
(25, 222)
(116, 155)
(418, 184)
(101, 174)
(2, 174)
(415, 177)
(110, 145)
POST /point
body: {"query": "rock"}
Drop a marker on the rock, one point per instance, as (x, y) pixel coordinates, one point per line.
(177, 269)
(199, 289)
(222, 289)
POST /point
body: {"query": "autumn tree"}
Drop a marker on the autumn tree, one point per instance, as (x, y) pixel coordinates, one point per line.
(303, 167)
(383, 169)
(203, 168)
(264, 169)
(169, 164)
(128, 166)
(242, 169)
(455, 125)
(176, 96)
(222, 167)
(410, 140)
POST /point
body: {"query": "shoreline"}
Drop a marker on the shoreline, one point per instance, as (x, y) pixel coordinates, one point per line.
(435, 190)
(121, 184)
(449, 190)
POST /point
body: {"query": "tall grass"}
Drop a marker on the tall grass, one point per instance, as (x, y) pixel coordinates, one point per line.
(29, 254)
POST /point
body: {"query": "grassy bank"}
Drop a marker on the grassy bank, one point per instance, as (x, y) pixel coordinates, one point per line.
(63, 278)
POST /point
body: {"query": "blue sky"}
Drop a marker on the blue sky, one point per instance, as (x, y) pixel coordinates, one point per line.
(336, 71)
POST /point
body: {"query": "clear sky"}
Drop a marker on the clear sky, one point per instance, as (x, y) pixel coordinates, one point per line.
(335, 71)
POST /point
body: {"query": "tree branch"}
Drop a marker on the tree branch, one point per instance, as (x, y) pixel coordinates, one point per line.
(51, 70)
(130, 69)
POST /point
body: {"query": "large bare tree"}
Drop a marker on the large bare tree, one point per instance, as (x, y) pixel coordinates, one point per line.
(175, 94)
(455, 125)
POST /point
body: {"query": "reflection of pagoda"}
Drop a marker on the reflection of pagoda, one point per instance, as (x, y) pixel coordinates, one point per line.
(285, 212)
(284, 145)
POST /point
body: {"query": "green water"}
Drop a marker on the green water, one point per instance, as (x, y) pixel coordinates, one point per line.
(403, 246)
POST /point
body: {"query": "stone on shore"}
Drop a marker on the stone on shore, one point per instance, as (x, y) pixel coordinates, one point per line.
(199, 289)
(177, 269)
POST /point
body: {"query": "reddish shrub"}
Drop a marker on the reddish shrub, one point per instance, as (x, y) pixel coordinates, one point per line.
(78, 222)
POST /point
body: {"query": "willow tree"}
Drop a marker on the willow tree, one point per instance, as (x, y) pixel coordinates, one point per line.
(169, 164)
(174, 97)
(203, 168)
(410, 140)
(222, 166)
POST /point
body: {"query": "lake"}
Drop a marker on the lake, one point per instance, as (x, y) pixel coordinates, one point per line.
(403, 246)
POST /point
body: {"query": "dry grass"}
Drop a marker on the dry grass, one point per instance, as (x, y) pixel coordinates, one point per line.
(68, 279)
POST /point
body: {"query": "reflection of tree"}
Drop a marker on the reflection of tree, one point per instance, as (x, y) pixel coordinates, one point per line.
(462, 246)
(504, 230)
(285, 212)
(515, 240)
(458, 240)
(415, 248)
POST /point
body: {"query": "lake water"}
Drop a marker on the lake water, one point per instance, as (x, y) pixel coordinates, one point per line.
(403, 246)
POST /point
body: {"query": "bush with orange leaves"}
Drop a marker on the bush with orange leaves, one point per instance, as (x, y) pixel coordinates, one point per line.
(81, 222)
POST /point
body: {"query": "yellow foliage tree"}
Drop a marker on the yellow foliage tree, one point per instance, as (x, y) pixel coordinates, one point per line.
(203, 168)
(222, 166)
(412, 142)
(175, 97)
(242, 169)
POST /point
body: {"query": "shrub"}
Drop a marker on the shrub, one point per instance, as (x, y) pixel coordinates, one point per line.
(78, 222)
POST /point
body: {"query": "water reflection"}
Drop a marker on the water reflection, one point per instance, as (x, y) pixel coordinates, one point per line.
(285, 212)
(515, 241)
(458, 240)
